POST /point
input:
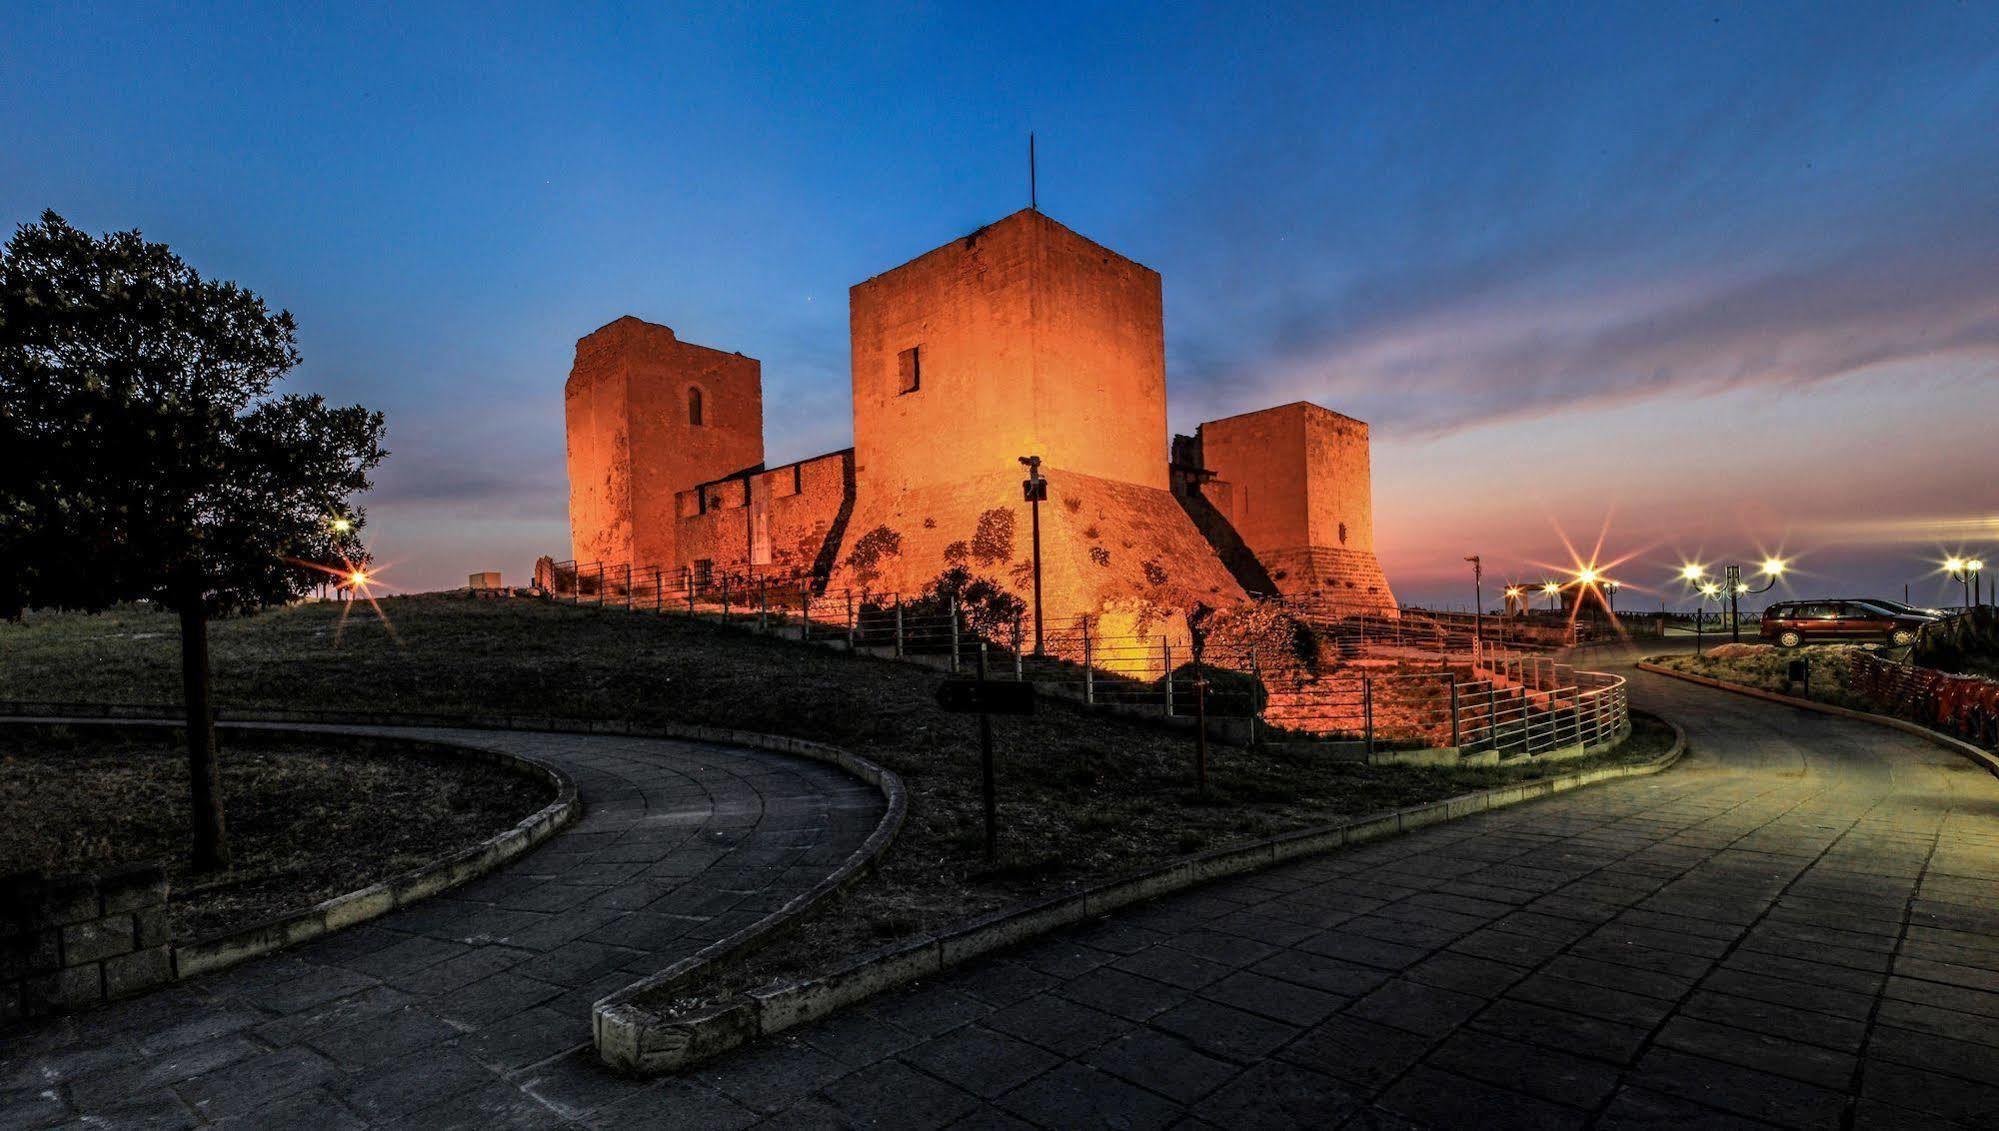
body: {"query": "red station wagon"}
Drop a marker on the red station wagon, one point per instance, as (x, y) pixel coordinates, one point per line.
(1795, 623)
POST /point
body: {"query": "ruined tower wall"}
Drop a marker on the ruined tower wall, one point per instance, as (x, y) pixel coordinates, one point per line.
(1027, 339)
(633, 441)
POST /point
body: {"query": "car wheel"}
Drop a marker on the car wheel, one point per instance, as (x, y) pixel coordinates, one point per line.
(1901, 638)
(1789, 640)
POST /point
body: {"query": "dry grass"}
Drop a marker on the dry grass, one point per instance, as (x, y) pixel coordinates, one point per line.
(1767, 667)
(305, 824)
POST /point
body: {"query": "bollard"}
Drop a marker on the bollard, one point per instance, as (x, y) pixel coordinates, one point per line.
(850, 620)
(1166, 657)
(898, 627)
(1018, 672)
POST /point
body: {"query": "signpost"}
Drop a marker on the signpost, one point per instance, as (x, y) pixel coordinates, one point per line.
(986, 698)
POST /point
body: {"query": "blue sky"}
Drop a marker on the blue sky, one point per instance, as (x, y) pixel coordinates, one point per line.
(1682, 266)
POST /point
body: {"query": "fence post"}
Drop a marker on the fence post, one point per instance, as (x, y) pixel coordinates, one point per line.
(1367, 711)
(1256, 677)
(898, 626)
(1166, 655)
(1492, 712)
(763, 606)
(1456, 733)
(851, 622)
(603, 581)
(658, 588)
(725, 597)
(628, 585)
(1089, 667)
(954, 634)
(1018, 672)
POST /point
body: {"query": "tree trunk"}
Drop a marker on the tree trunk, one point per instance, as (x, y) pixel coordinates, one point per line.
(211, 843)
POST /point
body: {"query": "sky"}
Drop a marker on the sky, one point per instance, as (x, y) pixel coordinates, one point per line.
(1685, 282)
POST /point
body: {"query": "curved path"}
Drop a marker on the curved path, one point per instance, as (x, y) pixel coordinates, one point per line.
(473, 1007)
(1796, 925)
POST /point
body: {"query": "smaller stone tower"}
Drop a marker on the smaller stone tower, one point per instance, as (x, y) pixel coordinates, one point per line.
(648, 416)
(1294, 483)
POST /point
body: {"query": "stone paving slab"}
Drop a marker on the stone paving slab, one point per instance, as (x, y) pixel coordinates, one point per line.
(1795, 927)
(471, 1008)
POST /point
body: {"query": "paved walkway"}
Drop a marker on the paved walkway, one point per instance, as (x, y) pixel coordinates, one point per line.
(1796, 926)
(471, 1008)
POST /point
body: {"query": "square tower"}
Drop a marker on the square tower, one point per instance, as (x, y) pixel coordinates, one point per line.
(1295, 484)
(649, 416)
(1021, 338)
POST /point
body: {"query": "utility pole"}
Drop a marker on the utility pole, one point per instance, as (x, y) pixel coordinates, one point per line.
(1035, 489)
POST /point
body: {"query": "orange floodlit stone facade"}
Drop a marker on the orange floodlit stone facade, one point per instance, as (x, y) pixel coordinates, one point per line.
(1022, 338)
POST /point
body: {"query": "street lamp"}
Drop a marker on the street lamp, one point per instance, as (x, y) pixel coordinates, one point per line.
(1478, 602)
(1035, 489)
(1708, 592)
(1516, 595)
(1610, 595)
(1552, 589)
(1966, 571)
(1773, 568)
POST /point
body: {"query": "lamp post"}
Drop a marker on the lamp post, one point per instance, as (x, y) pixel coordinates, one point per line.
(1708, 591)
(1477, 603)
(1773, 568)
(1035, 489)
(1515, 596)
(1552, 589)
(1966, 571)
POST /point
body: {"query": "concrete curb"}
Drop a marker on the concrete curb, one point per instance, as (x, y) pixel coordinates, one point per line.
(641, 1041)
(1985, 760)
(220, 951)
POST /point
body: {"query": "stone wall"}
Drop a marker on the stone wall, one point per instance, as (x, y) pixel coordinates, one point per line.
(783, 520)
(71, 941)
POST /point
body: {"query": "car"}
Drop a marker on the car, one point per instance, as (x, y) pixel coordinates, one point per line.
(1791, 624)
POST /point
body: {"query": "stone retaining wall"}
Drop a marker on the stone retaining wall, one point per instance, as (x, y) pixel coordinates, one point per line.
(75, 940)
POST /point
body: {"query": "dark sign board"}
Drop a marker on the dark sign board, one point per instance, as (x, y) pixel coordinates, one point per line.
(986, 696)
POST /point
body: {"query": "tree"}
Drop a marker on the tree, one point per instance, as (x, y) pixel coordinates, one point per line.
(143, 455)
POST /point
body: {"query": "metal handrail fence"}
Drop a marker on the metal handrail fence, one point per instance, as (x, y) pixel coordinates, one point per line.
(1484, 692)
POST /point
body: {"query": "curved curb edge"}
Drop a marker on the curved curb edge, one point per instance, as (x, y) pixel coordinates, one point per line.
(627, 1035)
(1986, 761)
(640, 1041)
(225, 949)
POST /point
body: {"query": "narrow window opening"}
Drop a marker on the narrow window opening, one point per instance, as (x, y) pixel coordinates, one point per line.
(909, 369)
(694, 407)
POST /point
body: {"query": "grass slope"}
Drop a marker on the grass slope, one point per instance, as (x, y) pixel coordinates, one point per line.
(1083, 795)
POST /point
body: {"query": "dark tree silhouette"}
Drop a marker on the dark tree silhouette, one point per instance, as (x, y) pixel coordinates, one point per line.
(144, 457)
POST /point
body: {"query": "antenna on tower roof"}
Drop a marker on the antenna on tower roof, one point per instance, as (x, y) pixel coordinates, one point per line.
(1033, 202)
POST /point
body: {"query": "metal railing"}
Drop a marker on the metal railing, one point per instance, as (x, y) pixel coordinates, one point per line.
(1478, 687)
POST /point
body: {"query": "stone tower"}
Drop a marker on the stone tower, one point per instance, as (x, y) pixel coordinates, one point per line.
(1294, 483)
(1021, 338)
(648, 416)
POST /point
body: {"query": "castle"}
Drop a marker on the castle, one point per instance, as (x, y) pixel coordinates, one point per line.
(1020, 339)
